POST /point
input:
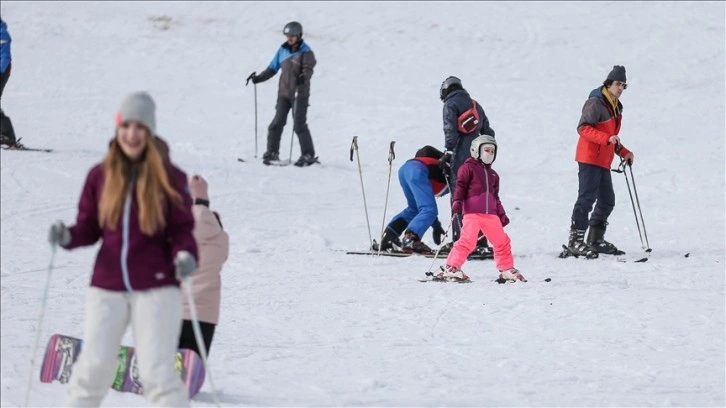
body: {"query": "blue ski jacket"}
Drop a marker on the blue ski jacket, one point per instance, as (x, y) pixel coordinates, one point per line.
(5, 41)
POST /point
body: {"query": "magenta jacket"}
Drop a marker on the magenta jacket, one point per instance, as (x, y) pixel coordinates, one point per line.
(129, 260)
(477, 186)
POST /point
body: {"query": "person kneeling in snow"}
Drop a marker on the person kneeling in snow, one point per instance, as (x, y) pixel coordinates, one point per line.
(476, 195)
(422, 180)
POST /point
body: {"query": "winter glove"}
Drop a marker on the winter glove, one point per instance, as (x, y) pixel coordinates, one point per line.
(438, 232)
(300, 80)
(198, 187)
(444, 162)
(504, 219)
(456, 207)
(59, 234)
(185, 264)
(629, 158)
(252, 77)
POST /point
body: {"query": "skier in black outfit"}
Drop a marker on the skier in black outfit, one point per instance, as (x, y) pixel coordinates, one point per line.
(297, 61)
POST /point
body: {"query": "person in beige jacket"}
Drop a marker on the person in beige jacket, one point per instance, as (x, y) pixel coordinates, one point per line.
(213, 244)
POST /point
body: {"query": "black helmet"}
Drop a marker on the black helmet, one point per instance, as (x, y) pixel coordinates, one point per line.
(293, 28)
(449, 85)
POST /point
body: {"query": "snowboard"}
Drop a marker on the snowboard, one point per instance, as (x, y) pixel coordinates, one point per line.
(62, 351)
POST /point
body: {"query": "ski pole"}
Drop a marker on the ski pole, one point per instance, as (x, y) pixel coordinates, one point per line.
(446, 233)
(448, 186)
(198, 337)
(255, 86)
(354, 146)
(622, 168)
(640, 212)
(391, 157)
(40, 322)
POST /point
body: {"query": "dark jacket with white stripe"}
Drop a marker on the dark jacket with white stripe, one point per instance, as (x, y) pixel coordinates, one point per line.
(129, 260)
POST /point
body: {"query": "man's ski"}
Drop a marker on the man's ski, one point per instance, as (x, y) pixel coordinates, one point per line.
(436, 279)
(502, 281)
(383, 253)
(21, 147)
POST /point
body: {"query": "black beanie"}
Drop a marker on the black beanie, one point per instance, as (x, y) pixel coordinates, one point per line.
(617, 74)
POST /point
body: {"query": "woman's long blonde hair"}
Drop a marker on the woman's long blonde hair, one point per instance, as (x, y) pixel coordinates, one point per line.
(152, 188)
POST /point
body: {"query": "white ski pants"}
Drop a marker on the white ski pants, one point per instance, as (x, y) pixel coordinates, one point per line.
(155, 316)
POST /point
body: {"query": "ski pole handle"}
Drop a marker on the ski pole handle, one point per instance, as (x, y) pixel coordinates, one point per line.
(250, 77)
(353, 146)
(391, 153)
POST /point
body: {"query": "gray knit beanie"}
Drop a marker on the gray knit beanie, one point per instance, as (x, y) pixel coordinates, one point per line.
(138, 107)
(617, 74)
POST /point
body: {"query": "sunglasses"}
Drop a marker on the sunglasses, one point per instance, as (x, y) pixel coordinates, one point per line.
(618, 83)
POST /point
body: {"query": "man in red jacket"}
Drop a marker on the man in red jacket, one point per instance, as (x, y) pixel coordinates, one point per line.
(599, 141)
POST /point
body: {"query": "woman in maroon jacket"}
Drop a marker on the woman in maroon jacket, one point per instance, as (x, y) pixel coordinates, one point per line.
(477, 196)
(139, 206)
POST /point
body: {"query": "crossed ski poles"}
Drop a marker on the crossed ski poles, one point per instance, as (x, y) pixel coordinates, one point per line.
(622, 168)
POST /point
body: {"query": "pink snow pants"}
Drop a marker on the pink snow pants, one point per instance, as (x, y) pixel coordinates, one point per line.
(491, 226)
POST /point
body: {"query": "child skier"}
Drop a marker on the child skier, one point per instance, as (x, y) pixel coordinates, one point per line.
(476, 195)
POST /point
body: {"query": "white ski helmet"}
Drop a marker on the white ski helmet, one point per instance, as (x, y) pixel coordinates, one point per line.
(482, 140)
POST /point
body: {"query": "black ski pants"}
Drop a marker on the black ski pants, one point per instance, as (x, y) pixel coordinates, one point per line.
(595, 187)
(187, 339)
(300, 125)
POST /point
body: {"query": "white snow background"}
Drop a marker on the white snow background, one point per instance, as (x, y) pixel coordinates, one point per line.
(304, 324)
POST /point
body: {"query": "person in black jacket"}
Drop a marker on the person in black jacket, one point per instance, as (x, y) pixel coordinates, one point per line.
(297, 61)
(464, 121)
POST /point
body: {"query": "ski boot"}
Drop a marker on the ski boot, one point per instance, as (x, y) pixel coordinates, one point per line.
(390, 242)
(510, 275)
(306, 160)
(412, 243)
(577, 247)
(450, 273)
(482, 249)
(446, 248)
(271, 158)
(596, 240)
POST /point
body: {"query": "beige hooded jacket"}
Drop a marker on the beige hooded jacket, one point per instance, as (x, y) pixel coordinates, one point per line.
(213, 244)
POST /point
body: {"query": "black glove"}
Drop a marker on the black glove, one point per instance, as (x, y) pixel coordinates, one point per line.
(438, 232)
(252, 77)
(300, 80)
(444, 162)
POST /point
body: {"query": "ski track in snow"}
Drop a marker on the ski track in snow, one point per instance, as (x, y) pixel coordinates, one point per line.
(304, 324)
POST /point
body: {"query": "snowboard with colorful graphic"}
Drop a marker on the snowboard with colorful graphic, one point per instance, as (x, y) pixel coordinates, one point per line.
(62, 351)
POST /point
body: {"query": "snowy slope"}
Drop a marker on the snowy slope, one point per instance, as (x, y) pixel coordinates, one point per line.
(302, 323)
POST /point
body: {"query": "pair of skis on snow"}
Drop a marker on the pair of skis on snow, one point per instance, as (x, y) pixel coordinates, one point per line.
(20, 147)
(280, 163)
